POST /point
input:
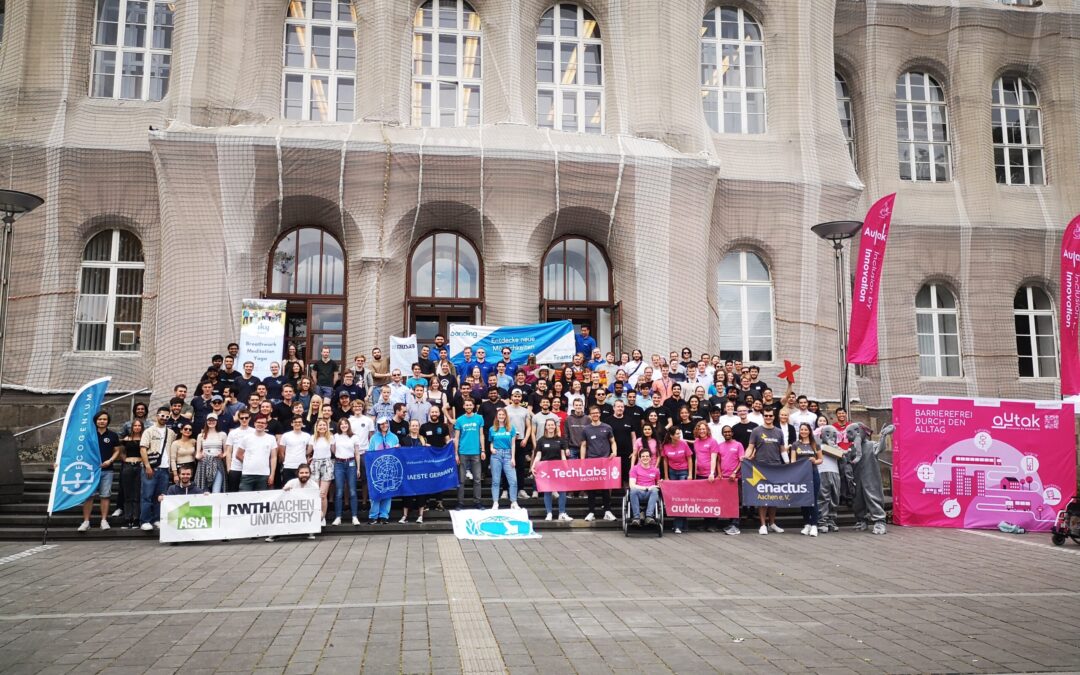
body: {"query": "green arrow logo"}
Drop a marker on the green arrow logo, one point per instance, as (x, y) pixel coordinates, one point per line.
(188, 517)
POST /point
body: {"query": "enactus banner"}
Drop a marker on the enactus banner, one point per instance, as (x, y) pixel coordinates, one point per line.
(262, 334)
(240, 515)
(780, 485)
(1070, 308)
(961, 462)
(551, 342)
(863, 330)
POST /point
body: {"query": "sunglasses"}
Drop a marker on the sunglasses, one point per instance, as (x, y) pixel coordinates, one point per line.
(187, 429)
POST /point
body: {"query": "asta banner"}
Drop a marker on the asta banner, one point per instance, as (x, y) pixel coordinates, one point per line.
(551, 342)
(1070, 308)
(780, 485)
(701, 499)
(78, 460)
(262, 334)
(863, 330)
(961, 462)
(572, 475)
(408, 472)
(239, 515)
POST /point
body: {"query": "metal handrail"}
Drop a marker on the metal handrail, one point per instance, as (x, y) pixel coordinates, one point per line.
(61, 419)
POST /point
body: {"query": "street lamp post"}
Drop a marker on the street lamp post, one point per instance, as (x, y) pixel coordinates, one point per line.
(837, 232)
(13, 205)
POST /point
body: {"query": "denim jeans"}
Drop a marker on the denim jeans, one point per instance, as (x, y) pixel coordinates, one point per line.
(810, 513)
(675, 474)
(326, 393)
(500, 465)
(151, 488)
(562, 502)
(219, 483)
(380, 508)
(345, 476)
(635, 502)
(469, 463)
(253, 483)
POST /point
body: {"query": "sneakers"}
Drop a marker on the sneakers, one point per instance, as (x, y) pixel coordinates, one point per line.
(323, 523)
(355, 520)
(879, 528)
(763, 530)
(535, 494)
(833, 527)
(813, 530)
(117, 513)
(311, 536)
(860, 526)
(503, 495)
(157, 524)
(805, 530)
(459, 507)
(554, 495)
(146, 527)
(591, 517)
(419, 520)
(650, 521)
(548, 516)
(495, 506)
(269, 540)
(731, 530)
(514, 506)
(468, 475)
(776, 528)
(608, 515)
(564, 518)
(678, 531)
(478, 504)
(384, 521)
(337, 521)
(104, 524)
(373, 521)
(85, 526)
(404, 520)
(522, 494)
(636, 522)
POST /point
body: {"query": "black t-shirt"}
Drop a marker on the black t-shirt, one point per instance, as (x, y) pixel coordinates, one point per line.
(488, 411)
(273, 387)
(623, 428)
(400, 429)
(636, 415)
(247, 386)
(741, 432)
(340, 413)
(672, 406)
(550, 448)
(108, 442)
(228, 378)
(324, 372)
(435, 433)
(759, 387)
(662, 415)
(427, 366)
(449, 384)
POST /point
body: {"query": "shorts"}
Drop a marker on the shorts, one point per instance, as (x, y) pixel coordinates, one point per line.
(322, 469)
(104, 490)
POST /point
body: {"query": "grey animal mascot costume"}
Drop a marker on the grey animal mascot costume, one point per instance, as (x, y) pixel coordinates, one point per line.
(869, 493)
(828, 497)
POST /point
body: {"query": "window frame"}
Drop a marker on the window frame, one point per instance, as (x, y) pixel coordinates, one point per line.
(998, 118)
(715, 122)
(580, 90)
(910, 142)
(743, 284)
(935, 311)
(119, 50)
(324, 236)
(445, 299)
(845, 110)
(434, 80)
(308, 73)
(3, 20)
(114, 265)
(1031, 313)
(591, 248)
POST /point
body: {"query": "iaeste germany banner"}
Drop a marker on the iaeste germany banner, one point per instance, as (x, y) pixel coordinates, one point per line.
(403, 354)
(863, 330)
(408, 472)
(78, 460)
(491, 525)
(240, 515)
(551, 342)
(262, 334)
(574, 475)
(700, 498)
(962, 462)
(781, 485)
(1070, 309)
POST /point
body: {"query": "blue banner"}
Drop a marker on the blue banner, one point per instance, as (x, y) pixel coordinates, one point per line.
(78, 460)
(408, 472)
(551, 342)
(782, 485)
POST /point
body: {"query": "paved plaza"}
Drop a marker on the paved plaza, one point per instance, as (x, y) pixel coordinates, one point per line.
(585, 602)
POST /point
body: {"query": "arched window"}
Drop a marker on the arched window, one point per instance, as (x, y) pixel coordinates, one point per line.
(308, 261)
(847, 117)
(922, 128)
(445, 285)
(320, 60)
(575, 270)
(569, 71)
(446, 65)
(938, 335)
(1036, 333)
(132, 49)
(109, 313)
(745, 305)
(733, 72)
(1018, 145)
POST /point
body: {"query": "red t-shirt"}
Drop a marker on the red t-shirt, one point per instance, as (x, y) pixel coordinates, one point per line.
(843, 443)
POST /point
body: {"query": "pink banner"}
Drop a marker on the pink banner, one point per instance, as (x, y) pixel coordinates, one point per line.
(579, 474)
(1070, 308)
(863, 331)
(700, 498)
(973, 463)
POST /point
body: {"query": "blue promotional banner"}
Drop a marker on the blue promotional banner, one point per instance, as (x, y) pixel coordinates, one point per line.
(408, 472)
(551, 342)
(781, 485)
(78, 460)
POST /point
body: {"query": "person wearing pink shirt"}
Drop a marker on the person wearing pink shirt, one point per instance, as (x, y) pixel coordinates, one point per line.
(678, 463)
(705, 463)
(729, 455)
(644, 481)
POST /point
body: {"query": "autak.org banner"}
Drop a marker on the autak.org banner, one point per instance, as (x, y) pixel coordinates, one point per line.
(701, 499)
(240, 515)
(863, 330)
(408, 472)
(551, 342)
(262, 334)
(573, 475)
(1070, 309)
(78, 460)
(781, 485)
(962, 462)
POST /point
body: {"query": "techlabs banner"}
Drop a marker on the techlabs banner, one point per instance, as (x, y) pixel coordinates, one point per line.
(701, 499)
(262, 334)
(551, 342)
(780, 485)
(1070, 309)
(408, 472)
(240, 515)
(573, 475)
(961, 462)
(863, 329)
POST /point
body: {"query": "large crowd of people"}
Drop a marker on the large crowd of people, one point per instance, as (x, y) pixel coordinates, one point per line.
(310, 424)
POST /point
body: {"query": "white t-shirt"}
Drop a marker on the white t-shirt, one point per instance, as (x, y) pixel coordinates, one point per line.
(257, 451)
(296, 444)
(717, 430)
(728, 420)
(322, 448)
(756, 418)
(799, 417)
(345, 447)
(294, 484)
(362, 428)
(234, 440)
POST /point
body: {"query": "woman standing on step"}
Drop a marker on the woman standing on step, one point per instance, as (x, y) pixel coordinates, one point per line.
(549, 448)
(418, 502)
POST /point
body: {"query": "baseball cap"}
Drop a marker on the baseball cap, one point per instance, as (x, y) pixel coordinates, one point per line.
(211, 416)
(383, 420)
(517, 391)
(216, 399)
(343, 394)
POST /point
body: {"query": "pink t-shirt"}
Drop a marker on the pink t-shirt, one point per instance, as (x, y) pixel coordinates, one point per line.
(643, 477)
(677, 455)
(703, 452)
(731, 453)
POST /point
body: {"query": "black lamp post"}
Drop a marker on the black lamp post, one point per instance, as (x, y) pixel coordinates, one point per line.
(837, 232)
(13, 205)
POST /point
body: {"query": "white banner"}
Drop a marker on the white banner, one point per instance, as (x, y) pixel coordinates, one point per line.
(262, 334)
(403, 354)
(485, 524)
(240, 515)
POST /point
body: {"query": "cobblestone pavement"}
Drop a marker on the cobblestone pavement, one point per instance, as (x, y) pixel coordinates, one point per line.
(912, 601)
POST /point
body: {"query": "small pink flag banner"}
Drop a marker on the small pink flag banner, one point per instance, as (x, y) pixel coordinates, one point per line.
(863, 330)
(1070, 307)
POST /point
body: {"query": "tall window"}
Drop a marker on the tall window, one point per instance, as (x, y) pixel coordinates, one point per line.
(2, 21)
(109, 313)
(1018, 151)
(922, 128)
(569, 71)
(847, 118)
(445, 265)
(132, 52)
(320, 60)
(936, 328)
(733, 72)
(1036, 335)
(308, 261)
(576, 271)
(745, 305)
(446, 65)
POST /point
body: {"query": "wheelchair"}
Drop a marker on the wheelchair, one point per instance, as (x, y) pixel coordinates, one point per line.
(627, 516)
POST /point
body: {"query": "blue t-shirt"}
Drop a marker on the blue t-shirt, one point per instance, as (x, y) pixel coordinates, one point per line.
(501, 438)
(470, 427)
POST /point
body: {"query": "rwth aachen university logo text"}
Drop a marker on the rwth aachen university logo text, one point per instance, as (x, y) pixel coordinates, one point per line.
(387, 473)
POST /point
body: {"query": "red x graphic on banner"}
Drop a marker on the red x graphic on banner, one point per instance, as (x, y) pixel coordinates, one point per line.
(789, 371)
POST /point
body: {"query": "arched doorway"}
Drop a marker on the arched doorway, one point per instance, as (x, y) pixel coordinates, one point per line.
(307, 269)
(576, 285)
(446, 285)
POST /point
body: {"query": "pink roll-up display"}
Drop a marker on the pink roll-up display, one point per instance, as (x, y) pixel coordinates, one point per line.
(863, 330)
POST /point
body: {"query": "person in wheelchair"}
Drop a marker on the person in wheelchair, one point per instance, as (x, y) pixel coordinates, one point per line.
(644, 482)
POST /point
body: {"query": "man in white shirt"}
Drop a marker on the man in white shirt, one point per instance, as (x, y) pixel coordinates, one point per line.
(302, 481)
(154, 450)
(362, 427)
(803, 415)
(295, 448)
(258, 452)
(399, 393)
(234, 464)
